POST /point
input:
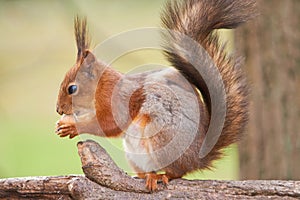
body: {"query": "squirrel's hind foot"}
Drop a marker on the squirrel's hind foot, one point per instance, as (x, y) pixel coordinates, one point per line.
(152, 179)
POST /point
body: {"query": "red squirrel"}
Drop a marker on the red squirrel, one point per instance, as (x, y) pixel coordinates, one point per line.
(161, 104)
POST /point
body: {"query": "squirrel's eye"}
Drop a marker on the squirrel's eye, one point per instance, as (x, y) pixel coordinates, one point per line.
(72, 89)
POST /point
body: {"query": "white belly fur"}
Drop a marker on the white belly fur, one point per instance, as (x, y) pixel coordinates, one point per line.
(136, 150)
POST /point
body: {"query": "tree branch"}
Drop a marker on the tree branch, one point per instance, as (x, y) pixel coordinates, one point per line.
(98, 166)
(103, 179)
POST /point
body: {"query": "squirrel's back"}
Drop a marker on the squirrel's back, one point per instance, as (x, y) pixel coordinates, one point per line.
(198, 20)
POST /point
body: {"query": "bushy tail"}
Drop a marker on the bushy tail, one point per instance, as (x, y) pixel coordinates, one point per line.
(198, 19)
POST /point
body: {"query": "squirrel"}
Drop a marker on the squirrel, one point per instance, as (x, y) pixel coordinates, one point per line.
(162, 105)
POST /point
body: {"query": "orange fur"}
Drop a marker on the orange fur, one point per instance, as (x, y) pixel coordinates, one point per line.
(103, 104)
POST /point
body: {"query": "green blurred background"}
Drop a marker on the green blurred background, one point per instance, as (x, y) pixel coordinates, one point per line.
(37, 48)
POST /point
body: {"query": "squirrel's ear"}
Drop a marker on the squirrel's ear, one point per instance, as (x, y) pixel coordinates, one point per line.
(89, 67)
(88, 57)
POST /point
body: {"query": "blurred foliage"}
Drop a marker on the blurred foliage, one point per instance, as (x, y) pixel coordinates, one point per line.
(37, 48)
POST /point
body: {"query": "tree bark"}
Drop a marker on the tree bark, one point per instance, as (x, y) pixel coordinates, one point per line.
(109, 182)
(271, 46)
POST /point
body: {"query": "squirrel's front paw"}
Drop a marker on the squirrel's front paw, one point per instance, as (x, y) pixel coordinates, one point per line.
(66, 127)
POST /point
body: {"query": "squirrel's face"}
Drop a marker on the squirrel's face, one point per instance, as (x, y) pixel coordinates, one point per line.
(68, 88)
(85, 73)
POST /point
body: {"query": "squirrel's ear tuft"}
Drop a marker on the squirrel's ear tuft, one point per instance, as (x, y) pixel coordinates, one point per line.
(81, 35)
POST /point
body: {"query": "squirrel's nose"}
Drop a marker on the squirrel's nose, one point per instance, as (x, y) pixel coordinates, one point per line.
(58, 110)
